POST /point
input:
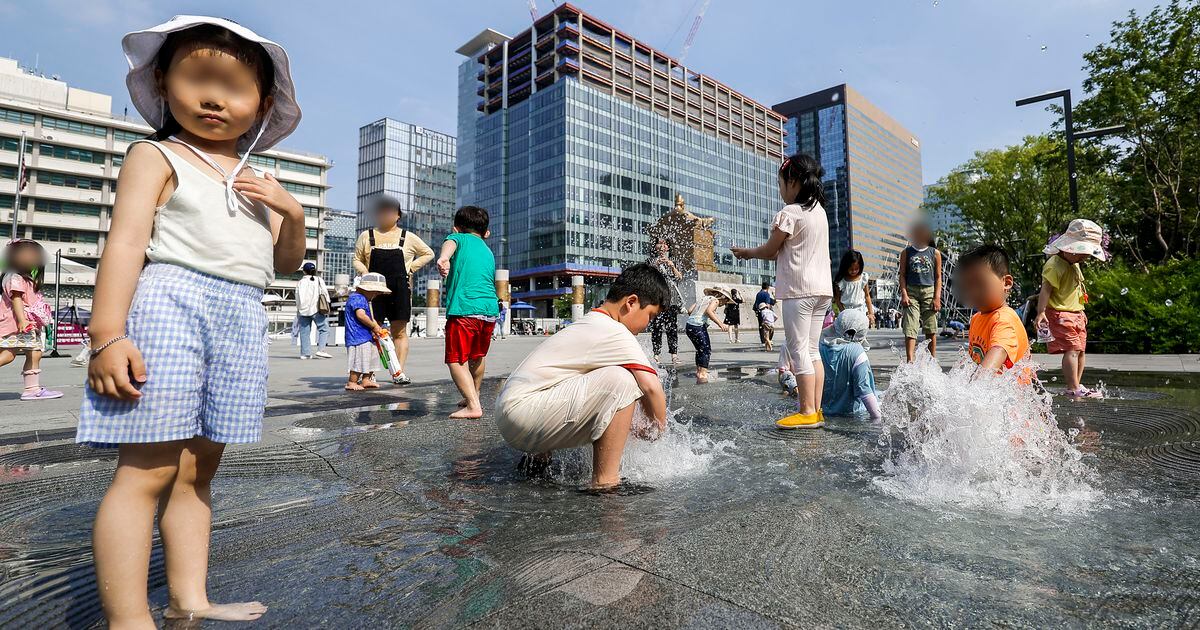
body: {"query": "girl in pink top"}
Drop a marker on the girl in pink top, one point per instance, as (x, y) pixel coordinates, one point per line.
(23, 314)
(799, 245)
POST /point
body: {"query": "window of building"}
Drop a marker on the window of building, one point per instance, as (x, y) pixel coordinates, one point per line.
(118, 160)
(300, 167)
(7, 201)
(64, 236)
(14, 116)
(13, 144)
(310, 232)
(74, 126)
(310, 211)
(301, 189)
(261, 160)
(70, 153)
(70, 181)
(55, 206)
(127, 136)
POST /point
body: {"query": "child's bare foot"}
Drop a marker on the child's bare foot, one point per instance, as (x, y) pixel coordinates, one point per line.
(242, 611)
(470, 412)
(462, 403)
(370, 383)
(354, 387)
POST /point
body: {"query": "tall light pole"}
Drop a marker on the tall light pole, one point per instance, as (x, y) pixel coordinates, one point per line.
(1071, 136)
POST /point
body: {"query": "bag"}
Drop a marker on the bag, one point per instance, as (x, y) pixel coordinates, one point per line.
(323, 303)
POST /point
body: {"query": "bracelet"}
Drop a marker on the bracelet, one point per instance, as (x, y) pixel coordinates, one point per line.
(106, 344)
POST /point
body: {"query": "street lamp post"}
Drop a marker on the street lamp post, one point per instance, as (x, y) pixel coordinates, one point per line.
(1071, 136)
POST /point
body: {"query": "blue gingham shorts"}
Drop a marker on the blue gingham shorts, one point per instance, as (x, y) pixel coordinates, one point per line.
(204, 341)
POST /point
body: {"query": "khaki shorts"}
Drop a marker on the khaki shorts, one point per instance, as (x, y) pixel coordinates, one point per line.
(575, 412)
(919, 315)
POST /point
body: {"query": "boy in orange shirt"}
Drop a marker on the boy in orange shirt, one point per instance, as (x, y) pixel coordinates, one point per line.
(997, 338)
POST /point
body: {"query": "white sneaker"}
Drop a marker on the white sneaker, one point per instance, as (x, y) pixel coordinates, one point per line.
(304, 357)
(401, 379)
(323, 355)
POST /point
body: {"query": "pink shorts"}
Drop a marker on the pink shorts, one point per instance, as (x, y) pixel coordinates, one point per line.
(1069, 330)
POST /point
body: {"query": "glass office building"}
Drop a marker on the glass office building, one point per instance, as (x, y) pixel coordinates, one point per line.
(416, 166)
(468, 113)
(872, 172)
(340, 234)
(585, 138)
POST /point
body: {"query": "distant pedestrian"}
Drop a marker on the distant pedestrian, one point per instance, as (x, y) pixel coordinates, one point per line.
(920, 288)
(312, 308)
(733, 315)
(469, 267)
(667, 322)
(397, 254)
(499, 332)
(24, 315)
(766, 317)
(765, 296)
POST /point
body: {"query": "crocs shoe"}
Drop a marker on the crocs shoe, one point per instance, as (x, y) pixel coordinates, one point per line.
(41, 393)
(801, 421)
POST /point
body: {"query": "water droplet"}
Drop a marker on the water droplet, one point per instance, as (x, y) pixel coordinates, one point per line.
(1087, 35)
(1043, 48)
(1054, 379)
(835, 97)
(1169, 303)
(1074, 175)
(1016, 176)
(1167, 382)
(1124, 290)
(841, 71)
(935, 3)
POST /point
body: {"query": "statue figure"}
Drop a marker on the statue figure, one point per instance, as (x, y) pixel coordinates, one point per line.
(681, 208)
(690, 237)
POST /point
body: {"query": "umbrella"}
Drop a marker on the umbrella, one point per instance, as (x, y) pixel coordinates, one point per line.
(73, 315)
(522, 306)
(271, 298)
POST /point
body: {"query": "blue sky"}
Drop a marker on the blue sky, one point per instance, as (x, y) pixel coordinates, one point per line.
(949, 70)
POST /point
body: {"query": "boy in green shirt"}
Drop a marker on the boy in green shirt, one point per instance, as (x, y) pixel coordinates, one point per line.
(469, 268)
(1060, 304)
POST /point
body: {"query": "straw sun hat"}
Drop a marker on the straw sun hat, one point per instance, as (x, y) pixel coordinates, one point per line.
(141, 48)
(1082, 237)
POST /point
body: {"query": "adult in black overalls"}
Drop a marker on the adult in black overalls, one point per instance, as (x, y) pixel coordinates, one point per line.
(396, 253)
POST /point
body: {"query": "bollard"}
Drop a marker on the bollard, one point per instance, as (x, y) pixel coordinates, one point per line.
(432, 298)
(577, 307)
(502, 294)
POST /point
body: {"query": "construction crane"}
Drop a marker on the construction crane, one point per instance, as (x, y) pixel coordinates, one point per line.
(687, 43)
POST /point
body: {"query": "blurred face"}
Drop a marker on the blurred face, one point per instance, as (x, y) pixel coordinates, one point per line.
(788, 191)
(981, 289)
(635, 316)
(920, 235)
(386, 218)
(212, 94)
(27, 258)
(1074, 258)
(661, 247)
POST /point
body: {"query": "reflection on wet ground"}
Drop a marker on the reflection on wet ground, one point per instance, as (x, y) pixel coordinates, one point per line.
(380, 512)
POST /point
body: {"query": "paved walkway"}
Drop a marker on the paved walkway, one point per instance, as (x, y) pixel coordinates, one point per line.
(290, 376)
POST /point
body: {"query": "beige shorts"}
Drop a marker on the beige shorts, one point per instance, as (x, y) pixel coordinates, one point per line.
(575, 412)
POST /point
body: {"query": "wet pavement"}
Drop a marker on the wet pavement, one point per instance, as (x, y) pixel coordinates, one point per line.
(377, 511)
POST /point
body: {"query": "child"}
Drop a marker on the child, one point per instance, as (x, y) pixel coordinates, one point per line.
(179, 358)
(849, 383)
(579, 386)
(471, 304)
(699, 313)
(361, 330)
(23, 314)
(850, 286)
(799, 244)
(1061, 301)
(766, 315)
(733, 315)
(997, 340)
(920, 288)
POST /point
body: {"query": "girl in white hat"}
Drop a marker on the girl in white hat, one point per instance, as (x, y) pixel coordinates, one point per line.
(179, 364)
(1062, 299)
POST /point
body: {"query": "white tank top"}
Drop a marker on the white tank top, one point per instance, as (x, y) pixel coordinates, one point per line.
(196, 229)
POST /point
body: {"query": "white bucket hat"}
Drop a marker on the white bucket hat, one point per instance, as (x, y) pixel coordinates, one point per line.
(1082, 237)
(141, 48)
(374, 282)
(850, 326)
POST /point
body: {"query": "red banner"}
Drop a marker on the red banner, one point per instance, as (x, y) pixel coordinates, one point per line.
(70, 334)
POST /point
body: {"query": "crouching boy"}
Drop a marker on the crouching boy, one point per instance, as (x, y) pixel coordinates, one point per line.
(580, 386)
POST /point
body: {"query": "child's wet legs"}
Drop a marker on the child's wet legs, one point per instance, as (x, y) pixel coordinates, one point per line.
(932, 338)
(185, 522)
(1072, 369)
(464, 379)
(124, 528)
(606, 451)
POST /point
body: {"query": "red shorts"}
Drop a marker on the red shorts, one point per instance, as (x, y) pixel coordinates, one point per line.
(467, 339)
(1069, 330)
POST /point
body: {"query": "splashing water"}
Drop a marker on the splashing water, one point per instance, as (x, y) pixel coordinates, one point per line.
(988, 442)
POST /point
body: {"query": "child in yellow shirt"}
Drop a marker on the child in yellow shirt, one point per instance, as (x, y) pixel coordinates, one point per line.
(1061, 301)
(997, 338)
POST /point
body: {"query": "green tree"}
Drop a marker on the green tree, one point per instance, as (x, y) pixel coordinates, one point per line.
(1016, 197)
(1147, 77)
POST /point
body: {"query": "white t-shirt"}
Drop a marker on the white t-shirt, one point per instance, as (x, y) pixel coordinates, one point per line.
(802, 264)
(854, 292)
(768, 316)
(595, 341)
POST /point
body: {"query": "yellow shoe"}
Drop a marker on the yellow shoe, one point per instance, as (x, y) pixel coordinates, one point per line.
(801, 421)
